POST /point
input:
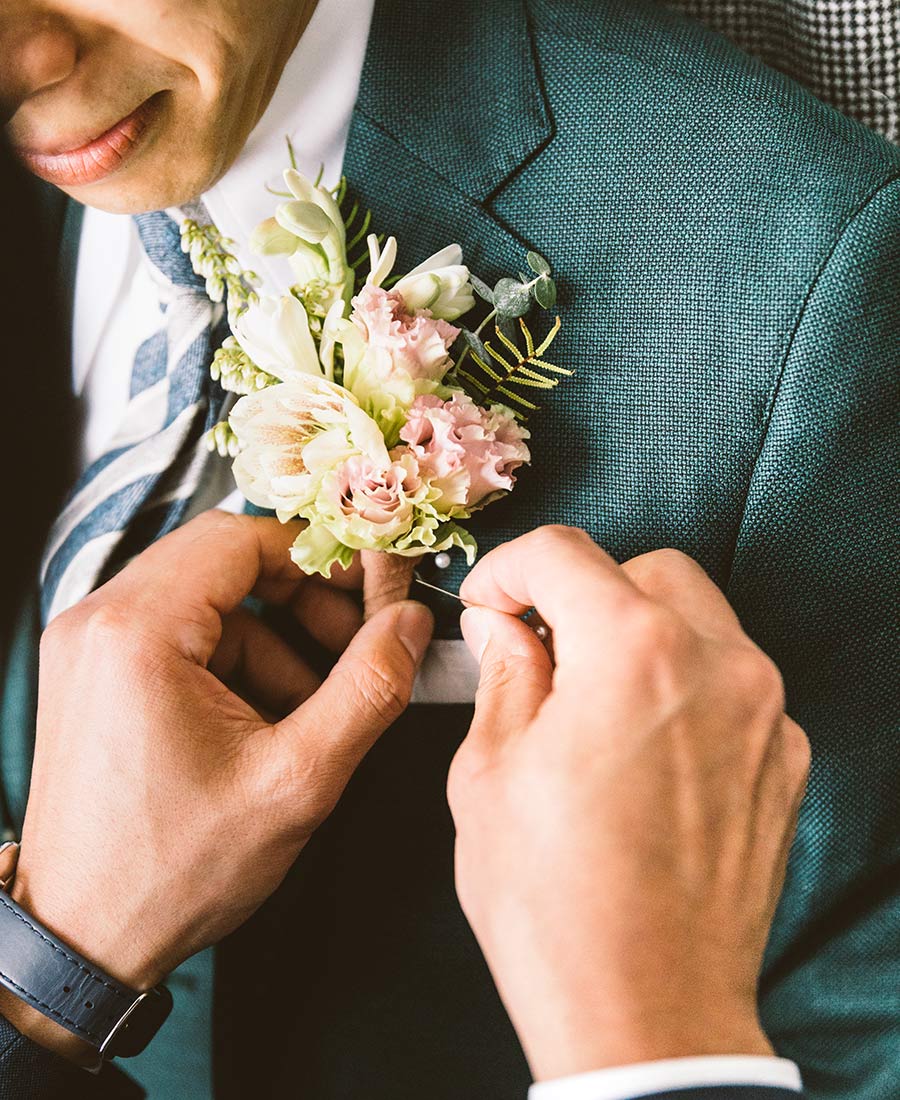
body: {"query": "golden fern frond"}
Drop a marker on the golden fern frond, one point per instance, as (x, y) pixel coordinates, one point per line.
(501, 374)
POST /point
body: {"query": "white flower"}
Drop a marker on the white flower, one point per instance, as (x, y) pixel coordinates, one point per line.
(310, 231)
(274, 332)
(440, 284)
(291, 435)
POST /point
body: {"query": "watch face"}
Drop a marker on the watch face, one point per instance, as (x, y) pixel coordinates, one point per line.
(139, 1024)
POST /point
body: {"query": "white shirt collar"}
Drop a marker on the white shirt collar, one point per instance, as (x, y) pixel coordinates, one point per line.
(312, 105)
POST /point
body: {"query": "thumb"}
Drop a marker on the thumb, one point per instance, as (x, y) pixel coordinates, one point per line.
(516, 672)
(366, 691)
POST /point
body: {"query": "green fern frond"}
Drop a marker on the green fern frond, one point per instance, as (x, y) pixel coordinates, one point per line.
(501, 375)
(357, 224)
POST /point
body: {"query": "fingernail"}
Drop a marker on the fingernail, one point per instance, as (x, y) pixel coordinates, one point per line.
(415, 625)
(476, 631)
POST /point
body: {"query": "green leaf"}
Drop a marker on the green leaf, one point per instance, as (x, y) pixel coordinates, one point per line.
(545, 292)
(538, 264)
(474, 343)
(511, 299)
(481, 289)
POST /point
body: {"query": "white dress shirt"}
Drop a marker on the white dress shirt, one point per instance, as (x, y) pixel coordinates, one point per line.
(650, 1078)
(117, 308)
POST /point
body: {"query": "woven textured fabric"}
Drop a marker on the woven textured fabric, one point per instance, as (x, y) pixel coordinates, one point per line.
(846, 51)
(728, 254)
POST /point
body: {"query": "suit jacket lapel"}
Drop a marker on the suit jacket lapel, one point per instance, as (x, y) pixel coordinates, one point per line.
(439, 127)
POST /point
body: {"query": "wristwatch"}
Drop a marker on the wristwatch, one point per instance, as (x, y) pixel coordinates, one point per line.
(49, 975)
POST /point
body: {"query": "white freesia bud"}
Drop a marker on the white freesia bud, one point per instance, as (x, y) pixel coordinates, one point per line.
(381, 262)
(274, 332)
(271, 239)
(334, 328)
(310, 231)
(440, 284)
(305, 220)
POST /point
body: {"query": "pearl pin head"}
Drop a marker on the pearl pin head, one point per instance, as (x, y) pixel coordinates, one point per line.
(442, 560)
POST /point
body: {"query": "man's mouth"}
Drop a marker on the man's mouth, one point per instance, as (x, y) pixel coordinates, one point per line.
(100, 157)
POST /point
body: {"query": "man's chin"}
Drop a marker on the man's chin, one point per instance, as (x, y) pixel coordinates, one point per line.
(134, 193)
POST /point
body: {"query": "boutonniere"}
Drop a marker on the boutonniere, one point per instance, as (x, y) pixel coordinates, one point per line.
(382, 409)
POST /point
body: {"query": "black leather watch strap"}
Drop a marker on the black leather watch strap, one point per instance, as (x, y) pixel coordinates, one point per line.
(63, 985)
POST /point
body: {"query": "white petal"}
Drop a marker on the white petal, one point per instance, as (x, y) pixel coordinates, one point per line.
(366, 435)
(271, 239)
(451, 256)
(305, 219)
(382, 262)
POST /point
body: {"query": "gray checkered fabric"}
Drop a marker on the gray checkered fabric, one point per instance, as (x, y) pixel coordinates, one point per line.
(846, 51)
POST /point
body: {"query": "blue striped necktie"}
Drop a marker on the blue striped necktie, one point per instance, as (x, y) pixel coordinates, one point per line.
(139, 488)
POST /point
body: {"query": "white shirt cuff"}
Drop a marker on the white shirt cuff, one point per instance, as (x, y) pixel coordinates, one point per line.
(649, 1078)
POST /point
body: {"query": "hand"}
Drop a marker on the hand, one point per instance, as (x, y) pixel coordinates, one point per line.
(164, 806)
(623, 820)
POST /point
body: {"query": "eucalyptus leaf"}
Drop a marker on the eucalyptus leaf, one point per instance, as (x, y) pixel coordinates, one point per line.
(538, 264)
(511, 299)
(545, 292)
(482, 289)
(475, 344)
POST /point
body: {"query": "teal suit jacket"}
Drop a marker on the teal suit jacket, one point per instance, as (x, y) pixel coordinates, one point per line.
(728, 252)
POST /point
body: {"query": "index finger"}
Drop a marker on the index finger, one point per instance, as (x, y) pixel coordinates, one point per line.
(560, 571)
(188, 580)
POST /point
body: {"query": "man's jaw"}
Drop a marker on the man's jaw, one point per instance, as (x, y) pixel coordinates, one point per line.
(69, 163)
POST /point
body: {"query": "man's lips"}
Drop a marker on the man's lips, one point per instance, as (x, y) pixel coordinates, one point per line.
(98, 158)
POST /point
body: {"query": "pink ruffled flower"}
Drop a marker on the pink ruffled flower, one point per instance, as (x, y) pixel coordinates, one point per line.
(367, 504)
(469, 453)
(415, 341)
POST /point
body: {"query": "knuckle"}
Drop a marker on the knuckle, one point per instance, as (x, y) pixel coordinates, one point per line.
(467, 767)
(651, 634)
(554, 535)
(457, 784)
(58, 634)
(659, 565)
(109, 621)
(217, 523)
(756, 678)
(505, 671)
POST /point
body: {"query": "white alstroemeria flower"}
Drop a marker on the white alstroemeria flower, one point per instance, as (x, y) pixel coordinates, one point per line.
(310, 231)
(440, 284)
(274, 332)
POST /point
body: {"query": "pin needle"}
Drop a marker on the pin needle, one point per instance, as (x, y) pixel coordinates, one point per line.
(541, 629)
(434, 588)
